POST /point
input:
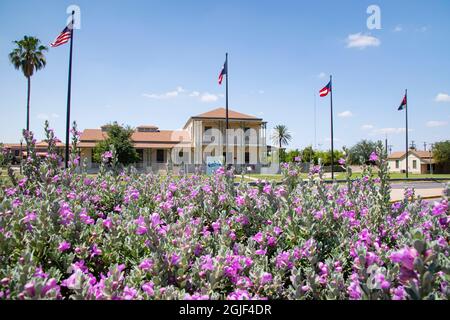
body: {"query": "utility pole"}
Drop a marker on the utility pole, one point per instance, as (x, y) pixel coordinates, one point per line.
(431, 159)
(424, 146)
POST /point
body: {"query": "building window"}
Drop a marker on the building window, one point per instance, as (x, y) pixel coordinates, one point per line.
(414, 164)
(247, 134)
(208, 135)
(397, 164)
(160, 156)
(247, 157)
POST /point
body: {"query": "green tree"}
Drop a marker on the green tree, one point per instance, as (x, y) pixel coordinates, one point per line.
(281, 136)
(308, 154)
(28, 56)
(360, 152)
(120, 138)
(441, 152)
(291, 154)
(325, 157)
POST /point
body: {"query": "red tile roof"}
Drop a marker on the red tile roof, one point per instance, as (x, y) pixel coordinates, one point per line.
(220, 113)
(90, 136)
(418, 153)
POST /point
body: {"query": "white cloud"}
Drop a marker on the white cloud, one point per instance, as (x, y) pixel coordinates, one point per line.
(367, 127)
(182, 92)
(442, 97)
(345, 114)
(208, 97)
(398, 28)
(434, 124)
(321, 75)
(166, 95)
(423, 29)
(261, 91)
(361, 41)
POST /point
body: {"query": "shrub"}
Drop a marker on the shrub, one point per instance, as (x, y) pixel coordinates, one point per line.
(122, 235)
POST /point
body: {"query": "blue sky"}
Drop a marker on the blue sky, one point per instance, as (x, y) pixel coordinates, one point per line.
(157, 62)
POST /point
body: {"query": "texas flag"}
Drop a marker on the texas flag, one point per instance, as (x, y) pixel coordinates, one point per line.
(403, 104)
(326, 90)
(223, 72)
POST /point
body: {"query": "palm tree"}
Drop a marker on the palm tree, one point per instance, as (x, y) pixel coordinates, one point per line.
(29, 57)
(281, 135)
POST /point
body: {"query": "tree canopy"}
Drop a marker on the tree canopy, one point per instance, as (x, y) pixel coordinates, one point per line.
(359, 154)
(120, 138)
(441, 152)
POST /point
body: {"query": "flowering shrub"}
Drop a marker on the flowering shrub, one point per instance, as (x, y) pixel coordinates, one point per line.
(123, 235)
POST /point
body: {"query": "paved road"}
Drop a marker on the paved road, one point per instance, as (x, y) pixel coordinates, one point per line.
(418, 185)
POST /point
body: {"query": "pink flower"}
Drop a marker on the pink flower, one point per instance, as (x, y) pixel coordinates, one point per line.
(267, 188)
(146, 265)
(107, 223)
(240, 201)
(399, 293)
(266, 278)
(141, 226)
(63, 246)
(341, 161)
(258, 237)
(148, 288)
(95, 251)
(373, 156)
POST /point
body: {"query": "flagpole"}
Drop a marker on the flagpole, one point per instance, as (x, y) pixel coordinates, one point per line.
(406, 106)
(332, 139)
(226, 111)
(66, 160)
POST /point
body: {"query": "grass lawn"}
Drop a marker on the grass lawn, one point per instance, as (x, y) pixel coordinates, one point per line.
(341, 176)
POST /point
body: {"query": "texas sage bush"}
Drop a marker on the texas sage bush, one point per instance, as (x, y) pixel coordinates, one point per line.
(120, 234)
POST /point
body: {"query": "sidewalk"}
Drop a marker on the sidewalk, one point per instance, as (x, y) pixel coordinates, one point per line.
(398, 194)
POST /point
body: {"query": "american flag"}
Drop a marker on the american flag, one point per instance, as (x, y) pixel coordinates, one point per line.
(63, 37)
(326, 90)
(223, 72)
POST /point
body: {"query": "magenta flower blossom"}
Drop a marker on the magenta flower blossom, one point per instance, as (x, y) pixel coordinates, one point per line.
(373, 156)
(146, 265)
(175, 259)
(30, 216)
(258, 237)
(148, 288)
(341, 161)
(107, 156)
(64, 246)
(129, 293)
(266, 278)
(267, 188)
(240, 201)
(141, 226)
(207, 263)
(95, 251)
(399, 293)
